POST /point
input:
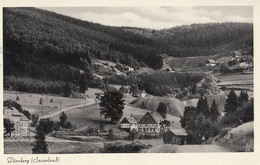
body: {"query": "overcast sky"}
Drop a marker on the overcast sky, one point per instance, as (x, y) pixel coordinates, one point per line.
(158, 17)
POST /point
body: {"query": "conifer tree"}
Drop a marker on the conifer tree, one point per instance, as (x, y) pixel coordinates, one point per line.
(63, 119)
(202, 106)
(214, 113)
(162, 109)
(243, 97)
(40, 147)
(231, 103)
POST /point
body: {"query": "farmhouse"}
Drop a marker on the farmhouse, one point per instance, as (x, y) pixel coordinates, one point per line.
(236, 54)
(175, 136)
(128, 68)
(21, 122)
(170, 69)
(148, 123)
(143, 94)
(129, 124)
(211, 62)
(243, 65)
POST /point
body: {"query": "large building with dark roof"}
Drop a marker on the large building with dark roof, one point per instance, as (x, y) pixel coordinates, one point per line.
(21, 122)
(148, 123)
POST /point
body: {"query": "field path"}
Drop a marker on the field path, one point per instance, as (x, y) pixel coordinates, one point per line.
(66, 109)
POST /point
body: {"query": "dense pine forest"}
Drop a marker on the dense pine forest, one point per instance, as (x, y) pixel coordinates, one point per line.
(52, 49)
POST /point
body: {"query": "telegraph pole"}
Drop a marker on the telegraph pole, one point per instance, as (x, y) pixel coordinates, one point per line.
(60, 105)
(29, 132)
(84, 101)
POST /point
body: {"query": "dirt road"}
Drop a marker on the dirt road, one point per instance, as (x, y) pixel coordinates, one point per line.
(89, 102)
(200, 148)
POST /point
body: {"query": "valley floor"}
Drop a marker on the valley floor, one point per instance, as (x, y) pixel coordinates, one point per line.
(60, 146)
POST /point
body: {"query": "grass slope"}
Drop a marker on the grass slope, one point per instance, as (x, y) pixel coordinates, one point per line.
(30, 102)
(238, 138)
(175, 107)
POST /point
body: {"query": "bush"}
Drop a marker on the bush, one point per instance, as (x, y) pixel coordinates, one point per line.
(224, 131)
(68, 125)
(132, 135)
(56, 126)
(148, 136)
(141, 136)
(118, 147)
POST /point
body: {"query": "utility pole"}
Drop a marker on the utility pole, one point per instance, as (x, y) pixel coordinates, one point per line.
(29, 132)
(84, 101)
(60, 105)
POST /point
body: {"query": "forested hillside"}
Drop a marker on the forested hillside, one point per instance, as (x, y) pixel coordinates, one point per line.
(200, 39)
(52, 49)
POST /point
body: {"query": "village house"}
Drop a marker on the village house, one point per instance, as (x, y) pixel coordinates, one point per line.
(21, 122)
(211, 62)
(129, 124)
(148, 123)
(139, 93)
(175, 137)
(236, 54)
(128, 68)
(170, 70)
(143, 94)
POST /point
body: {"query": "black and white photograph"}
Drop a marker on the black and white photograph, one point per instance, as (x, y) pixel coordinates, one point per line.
(128, 79)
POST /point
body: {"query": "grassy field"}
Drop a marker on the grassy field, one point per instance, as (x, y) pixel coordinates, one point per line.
(238, 82)
(190, 62)
(30, 101)
(239, 138)
(25, 147)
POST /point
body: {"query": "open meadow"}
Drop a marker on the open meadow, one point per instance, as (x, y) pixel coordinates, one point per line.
(49, 104)
(237, 81)
(55, 147)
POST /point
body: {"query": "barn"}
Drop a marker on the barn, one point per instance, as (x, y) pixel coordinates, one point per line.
(175, 137)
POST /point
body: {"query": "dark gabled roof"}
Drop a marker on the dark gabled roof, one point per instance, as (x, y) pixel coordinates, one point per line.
(137, 117)
(23, 117)
(178, 132)
(157, 117)
(129, 120)
(151, 118)
(15, 112)
(242, 60)
(236, 52)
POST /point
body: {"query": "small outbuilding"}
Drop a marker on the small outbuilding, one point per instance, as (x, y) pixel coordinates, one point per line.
(173, 136)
